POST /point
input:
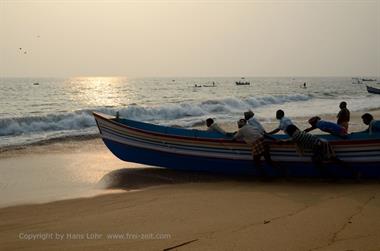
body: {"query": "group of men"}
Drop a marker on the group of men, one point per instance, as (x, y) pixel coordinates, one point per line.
(253, 133)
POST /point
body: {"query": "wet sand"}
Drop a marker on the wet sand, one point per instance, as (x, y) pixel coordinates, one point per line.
(157, 209)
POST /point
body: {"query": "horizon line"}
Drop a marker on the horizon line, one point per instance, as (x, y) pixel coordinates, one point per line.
(173, 77)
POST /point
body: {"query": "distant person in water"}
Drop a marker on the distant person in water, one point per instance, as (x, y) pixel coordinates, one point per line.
(214, 127)
(284, 122)
(326, 126)
(304, 85)
(343, 115)
(251, 120)
(373, 125)
(253, 137)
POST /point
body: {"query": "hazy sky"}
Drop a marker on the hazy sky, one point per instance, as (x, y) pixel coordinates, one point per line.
(189, 38)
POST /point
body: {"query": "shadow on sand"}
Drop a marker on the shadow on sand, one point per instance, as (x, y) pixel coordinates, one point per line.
(137, 178)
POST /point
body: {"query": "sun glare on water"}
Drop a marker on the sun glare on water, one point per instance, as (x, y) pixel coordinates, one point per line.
(99, 91)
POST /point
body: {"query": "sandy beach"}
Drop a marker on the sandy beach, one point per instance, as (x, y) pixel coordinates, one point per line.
(227, 215)
(75, 195)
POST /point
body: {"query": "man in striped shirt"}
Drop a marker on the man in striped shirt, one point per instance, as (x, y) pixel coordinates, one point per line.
(305, 141)
(321, 150)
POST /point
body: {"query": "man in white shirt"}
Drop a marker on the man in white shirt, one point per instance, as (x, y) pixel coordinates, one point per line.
(253, 137)
(249, 117)
(284, 122)
(214, 127)
(248, 133)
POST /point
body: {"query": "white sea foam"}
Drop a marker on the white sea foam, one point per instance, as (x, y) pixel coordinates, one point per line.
(168, 112)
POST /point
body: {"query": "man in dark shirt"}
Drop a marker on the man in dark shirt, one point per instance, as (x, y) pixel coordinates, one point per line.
(343, 115)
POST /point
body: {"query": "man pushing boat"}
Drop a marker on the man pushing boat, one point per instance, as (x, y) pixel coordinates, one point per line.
(254, 137)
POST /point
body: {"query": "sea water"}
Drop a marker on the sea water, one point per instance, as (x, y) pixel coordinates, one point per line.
(33, 110)
(36, 109)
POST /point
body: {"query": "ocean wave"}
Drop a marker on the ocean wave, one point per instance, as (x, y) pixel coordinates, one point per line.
(47, 141)
(83, 119)
(52, 122)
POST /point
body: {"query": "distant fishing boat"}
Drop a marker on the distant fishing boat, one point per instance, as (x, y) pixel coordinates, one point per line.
(36, 83)
(242, 83)
(206, 85)
(368, 79)
(196, 150)
(361, 80)
(374, 90)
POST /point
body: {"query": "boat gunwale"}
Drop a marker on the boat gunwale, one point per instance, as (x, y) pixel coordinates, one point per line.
(221, 141)
(373, 146)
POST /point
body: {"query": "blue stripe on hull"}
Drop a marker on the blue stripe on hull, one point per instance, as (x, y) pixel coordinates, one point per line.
(196, 163)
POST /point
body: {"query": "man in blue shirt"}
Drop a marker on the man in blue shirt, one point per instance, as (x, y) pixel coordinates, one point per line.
(326, 126)
(373, 125)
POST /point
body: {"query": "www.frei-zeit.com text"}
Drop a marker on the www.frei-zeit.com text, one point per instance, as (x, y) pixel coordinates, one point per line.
(93, 236)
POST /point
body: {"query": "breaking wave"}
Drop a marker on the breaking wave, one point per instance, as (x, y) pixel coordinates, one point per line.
(83, 119)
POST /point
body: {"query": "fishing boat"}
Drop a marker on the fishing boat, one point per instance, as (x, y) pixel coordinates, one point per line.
(242, 83)
(368, 79)
(210, 85)
(196, 150)
(374, 90)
